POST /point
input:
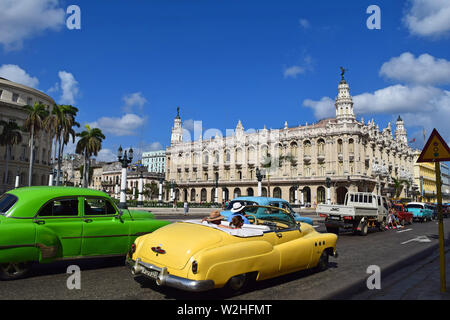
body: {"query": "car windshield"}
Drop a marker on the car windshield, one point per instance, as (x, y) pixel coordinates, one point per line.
(414, 206)
(282, 218)
(6, 202)
(243, 202)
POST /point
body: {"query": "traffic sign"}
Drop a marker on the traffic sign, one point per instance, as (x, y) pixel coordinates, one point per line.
(435, 150)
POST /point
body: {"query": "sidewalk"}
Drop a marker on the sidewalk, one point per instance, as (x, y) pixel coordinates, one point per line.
(418, 281)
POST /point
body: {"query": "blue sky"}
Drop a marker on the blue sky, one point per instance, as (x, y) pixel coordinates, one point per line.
(263, 62)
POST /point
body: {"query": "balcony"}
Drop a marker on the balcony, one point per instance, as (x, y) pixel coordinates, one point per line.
(321, 158)
(340, 157)
(307, 158)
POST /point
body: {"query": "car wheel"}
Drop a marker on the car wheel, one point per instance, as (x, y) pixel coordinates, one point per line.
(382, 225)
(14, 270)
(364, 230)
(237, 283)
(323, 262)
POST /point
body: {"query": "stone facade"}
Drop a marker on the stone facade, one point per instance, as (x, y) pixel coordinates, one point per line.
(13, 97)
(296, 161)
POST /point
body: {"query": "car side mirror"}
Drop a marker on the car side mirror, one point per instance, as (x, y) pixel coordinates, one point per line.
(119, 215)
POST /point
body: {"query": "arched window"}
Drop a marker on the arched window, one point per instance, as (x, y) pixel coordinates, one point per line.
(203, 195)
(250, 192)
(339, 146)
(277, 192)
(320, 195)
(307, 148)
(321, 147)
(205, 158)
(237, 192)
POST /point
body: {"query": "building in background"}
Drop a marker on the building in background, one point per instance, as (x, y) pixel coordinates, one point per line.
(445, 176)
(155, 161)
(13, 97)
(425, 179)
(297, 161)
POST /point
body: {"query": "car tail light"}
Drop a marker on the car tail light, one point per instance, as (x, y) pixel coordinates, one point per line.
(133, 248)
(348, 218)
(322, 215)
(194, 267)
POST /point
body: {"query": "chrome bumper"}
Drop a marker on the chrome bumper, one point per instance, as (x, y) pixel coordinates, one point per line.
(165, 279)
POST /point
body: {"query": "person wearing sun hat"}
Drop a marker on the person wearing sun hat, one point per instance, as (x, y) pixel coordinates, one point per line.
(238, 209)
(214, 217)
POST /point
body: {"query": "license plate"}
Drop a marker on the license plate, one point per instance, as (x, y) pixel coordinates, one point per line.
(150, 273)
(335, 218)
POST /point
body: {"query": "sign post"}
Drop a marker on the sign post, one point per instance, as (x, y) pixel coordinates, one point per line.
(436, 150)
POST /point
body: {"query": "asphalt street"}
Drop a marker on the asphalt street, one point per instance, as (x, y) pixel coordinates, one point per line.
(347, 274)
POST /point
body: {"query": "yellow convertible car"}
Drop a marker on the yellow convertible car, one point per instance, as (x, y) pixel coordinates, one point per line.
(198, 256)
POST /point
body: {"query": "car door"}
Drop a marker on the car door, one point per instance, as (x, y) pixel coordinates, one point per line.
(295, 252)
(58, 228)
(104, 231)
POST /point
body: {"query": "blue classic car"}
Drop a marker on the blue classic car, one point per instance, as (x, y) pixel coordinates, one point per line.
(264, 201)
(421, 211)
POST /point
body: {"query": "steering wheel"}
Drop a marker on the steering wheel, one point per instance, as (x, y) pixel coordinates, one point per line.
(253, 218)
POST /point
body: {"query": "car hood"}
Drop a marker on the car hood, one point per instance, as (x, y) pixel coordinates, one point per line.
(180, 241)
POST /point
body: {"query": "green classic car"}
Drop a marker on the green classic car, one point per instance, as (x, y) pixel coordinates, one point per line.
(44, 224)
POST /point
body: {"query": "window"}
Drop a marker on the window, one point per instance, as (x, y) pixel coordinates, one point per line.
(60, 207)
(370, 199)
(98, 206)
(29, 101)
(6, 202)
(365, 198)
(15, 97)
(1, 91)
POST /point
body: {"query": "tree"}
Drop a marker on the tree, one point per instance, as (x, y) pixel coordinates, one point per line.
(90, 144)
(150, 189)
(10, 136)
(61, 122)
(398, 186)
(34, 123)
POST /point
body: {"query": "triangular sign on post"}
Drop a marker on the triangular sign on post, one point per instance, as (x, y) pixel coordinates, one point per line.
(435, 150)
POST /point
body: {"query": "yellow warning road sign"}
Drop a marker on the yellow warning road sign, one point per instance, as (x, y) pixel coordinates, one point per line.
(435, 150)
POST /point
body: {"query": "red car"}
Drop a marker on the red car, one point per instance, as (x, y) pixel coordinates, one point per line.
(402, 214)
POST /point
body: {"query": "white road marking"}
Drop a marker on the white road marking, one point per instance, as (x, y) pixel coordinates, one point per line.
(418, 239)
(404, 230)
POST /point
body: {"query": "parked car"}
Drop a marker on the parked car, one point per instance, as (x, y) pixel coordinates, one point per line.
(44, 224)
(198, 256)
(403, 215)
(360, 211)
(421, 211)
(265, 201)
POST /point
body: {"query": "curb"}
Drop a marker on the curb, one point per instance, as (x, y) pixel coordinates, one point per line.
(360, 285)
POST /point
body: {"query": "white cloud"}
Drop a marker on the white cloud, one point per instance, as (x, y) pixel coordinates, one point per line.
(106, 155)
(324, 108)
(293, 72)
(127, 125)
(15, 73)
(304, 23)
(69, 87)
(428, 17)
(424, 70)
(23, 19)
(133, 100)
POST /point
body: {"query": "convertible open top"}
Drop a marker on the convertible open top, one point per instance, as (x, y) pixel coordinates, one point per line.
(247, 230)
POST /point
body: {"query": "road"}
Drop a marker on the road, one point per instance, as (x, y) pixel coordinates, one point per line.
(111, 279)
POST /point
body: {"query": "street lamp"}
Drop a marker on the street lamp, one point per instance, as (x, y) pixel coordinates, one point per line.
(296, 193)
(140, 185)
(125, 160)
(161, 181)
(216, 190)
(328, 184)
(259, 176)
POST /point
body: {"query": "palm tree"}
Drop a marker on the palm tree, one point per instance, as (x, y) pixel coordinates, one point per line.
(150, 189)
(90, 143)
(61, 122)
(10, 136)
(398, 186)
(34, 123)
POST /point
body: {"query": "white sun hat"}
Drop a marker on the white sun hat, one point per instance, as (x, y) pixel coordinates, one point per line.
(237, 206)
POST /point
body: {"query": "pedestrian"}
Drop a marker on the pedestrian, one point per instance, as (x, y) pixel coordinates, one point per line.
(175, 204)
(186, 208)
